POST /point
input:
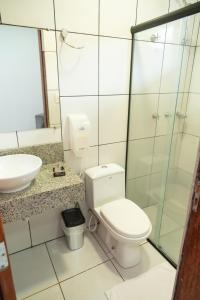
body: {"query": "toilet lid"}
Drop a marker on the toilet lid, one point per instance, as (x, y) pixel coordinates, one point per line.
(126, 218)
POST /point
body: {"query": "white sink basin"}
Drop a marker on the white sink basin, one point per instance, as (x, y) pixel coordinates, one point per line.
(17, 171)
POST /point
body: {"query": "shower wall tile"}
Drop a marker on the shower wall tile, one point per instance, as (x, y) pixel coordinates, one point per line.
(147, 67)
(161, 153)
(77, 164)
(142, 120)
(181, 110)
(114, 66)
(176, 31)
(156, 188)
(184, 30)
(192, 30)
(28, 13)
(77, 15)
(192, 122)
(171, 68)
(195, 86)
(8, 140)
(120, 21)
(198, 41)
(140, 155)
(186, 69)
(148, 10)
(138, 191)
(115, 107)
(156, 34)
(87, 105)
(113, 153)
(166, 112)
(78, 69)
(188, 153)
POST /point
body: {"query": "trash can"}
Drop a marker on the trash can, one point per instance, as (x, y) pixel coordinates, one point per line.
(73, 225)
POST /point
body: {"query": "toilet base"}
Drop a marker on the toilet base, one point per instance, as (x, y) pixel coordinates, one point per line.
(127, 255)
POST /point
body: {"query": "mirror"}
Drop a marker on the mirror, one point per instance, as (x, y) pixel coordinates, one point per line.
(29, 97)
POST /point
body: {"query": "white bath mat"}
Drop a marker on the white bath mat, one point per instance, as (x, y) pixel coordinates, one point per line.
(155, 284)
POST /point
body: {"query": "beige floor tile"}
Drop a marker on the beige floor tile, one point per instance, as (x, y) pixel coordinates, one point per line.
(69, 263)
(91, 285)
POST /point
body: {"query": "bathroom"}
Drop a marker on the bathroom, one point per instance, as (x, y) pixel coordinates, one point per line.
(134, 92)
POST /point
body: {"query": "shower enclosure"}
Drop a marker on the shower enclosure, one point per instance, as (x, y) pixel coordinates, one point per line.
(164, 122)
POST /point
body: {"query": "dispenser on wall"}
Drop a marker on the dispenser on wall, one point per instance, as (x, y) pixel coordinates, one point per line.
(79, 128)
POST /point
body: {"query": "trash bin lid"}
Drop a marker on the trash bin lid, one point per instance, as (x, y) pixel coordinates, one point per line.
(73, 217)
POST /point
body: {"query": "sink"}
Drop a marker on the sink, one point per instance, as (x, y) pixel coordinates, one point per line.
(17, 171)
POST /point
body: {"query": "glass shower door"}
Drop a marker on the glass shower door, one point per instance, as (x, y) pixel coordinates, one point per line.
(157, 175)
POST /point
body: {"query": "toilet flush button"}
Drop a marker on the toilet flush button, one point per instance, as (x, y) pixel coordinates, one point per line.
(104, 167)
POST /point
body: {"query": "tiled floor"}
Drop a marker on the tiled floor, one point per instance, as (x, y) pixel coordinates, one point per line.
(51, 272)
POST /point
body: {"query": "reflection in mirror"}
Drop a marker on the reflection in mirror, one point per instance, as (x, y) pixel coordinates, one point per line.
(29, 97)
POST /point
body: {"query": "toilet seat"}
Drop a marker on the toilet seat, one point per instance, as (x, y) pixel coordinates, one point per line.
(116, 214)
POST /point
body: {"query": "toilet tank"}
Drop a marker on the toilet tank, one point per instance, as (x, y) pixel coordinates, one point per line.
(104, 184)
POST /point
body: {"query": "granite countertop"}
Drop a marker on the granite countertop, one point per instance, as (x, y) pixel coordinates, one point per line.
(45, 192)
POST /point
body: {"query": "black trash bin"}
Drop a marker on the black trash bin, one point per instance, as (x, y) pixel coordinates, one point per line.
(73, 225)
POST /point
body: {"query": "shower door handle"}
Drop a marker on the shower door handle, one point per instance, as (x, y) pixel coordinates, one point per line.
(155, 116)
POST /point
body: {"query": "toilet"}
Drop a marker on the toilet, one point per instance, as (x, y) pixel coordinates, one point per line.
(123, 225)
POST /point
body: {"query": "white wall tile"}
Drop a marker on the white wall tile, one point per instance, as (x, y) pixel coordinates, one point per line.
(87, 105)
(78, 69)
(181, 108)
(152, 9)
(39, 137)
(114, 68)
(51, 70)
(54, 108)
(113, 108)
(171, 68)
(77, 15)
(192, 30)
(147, 67)
(156, 188)
(176, 31)
(140, 154)
(192, 122)
(138, 191)
(184, 29)
(48, 40)
(156, 34)
(8, 140)
(195, 86)
(186, 69)
(188, 153)
(77, 164)
(17, 236)
(142, 123)
(166, 111)
(198, 41)
(113, 153)
(148, 10)
(161, 153)
(28, 13)
(120, 21)
(46, 227)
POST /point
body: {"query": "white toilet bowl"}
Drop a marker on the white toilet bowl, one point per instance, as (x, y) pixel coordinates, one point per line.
(123, 224)
(123, 227)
